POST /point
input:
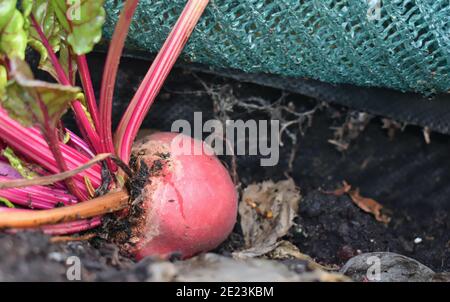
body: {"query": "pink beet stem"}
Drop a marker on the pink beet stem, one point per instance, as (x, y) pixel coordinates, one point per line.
(50, 132)
(30, 143)
(158, 72)
(72, 227)
(79, 144)
(110, 73)
(85, 76)
(37, 197)
(82, 120)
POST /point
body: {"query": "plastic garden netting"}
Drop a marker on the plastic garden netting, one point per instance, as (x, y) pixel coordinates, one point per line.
(400, 44)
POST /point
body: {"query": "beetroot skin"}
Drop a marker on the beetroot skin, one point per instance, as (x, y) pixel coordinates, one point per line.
(188, 203)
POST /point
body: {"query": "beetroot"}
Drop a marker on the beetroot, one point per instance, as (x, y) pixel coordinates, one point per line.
(188, 202)
(176, 201)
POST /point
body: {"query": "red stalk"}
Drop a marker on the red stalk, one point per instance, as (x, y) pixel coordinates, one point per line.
(40, 197)
(80, 145)
(51, 134)
(70, 68)
(86, 81)
(72, 227)
(58, 68)
(37, 197)
(82, 120)
(110, 73)
(30, 143)
(153, 81)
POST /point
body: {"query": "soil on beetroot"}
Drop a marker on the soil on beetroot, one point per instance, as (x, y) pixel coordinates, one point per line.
(402, 172)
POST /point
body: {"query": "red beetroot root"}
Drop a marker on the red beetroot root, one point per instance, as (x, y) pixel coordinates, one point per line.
(188, 203)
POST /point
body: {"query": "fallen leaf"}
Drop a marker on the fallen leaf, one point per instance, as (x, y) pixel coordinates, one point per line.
(267, 212)
(369, 205)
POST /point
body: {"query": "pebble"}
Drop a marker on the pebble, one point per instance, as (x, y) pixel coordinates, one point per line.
(386, 267)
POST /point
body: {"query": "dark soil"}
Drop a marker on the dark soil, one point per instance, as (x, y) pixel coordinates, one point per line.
(403, 173)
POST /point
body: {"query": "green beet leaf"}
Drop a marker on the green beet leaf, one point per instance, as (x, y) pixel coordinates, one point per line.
(31, 101)
(45, 17)
(83, 21)
(13, 35)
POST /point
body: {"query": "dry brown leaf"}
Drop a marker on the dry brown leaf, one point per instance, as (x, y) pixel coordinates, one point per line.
(267, 212)
(369, 205)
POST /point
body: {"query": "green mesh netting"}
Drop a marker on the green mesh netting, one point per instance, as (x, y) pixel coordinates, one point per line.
(403, 45)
